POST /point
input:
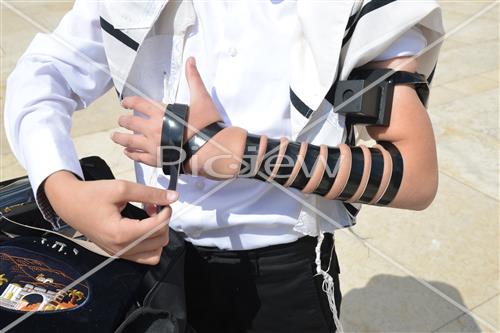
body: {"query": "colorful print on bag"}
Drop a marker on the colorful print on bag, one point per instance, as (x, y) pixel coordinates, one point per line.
(30, 281)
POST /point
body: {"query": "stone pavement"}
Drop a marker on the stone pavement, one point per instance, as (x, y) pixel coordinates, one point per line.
(402, 271)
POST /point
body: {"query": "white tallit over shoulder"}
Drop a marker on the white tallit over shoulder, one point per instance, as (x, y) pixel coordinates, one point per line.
(347, 34)
(381, 22)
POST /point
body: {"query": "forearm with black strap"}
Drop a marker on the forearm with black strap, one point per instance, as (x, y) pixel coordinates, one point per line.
(373, 174)
(353, 174)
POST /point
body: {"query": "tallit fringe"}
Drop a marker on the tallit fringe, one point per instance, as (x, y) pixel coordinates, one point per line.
(328, 285)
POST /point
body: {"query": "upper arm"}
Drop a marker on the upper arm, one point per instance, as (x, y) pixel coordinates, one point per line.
(406, 106)
(410, 129)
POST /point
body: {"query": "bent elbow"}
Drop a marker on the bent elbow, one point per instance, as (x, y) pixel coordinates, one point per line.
(427, 192)
(417, 191)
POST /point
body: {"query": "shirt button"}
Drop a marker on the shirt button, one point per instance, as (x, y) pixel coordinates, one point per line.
(232, 51)
(200, 184)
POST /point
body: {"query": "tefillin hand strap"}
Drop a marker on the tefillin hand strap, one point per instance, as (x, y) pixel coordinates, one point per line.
(352, 174)
(199, 140)
(172, 139)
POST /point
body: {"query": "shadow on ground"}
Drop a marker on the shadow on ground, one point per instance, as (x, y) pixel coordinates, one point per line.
(391, 303)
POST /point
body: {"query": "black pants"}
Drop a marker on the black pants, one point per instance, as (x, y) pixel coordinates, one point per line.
(272, 289)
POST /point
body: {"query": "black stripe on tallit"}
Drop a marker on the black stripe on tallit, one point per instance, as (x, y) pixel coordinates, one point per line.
(368, 8)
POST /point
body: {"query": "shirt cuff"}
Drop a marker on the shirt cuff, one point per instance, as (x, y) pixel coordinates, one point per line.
(45, 207)
(43, 155)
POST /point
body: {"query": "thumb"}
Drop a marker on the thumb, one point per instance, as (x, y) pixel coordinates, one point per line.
(196, 86)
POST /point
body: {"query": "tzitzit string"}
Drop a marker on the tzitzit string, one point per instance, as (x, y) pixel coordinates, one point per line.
(328, 284)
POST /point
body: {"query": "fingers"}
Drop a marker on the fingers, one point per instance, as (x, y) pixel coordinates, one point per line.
(154, 230)
(161, 229)
(150, 244)
(148, 107)
(145, 258)
(141, 239)
(142, 157)
(122, 190)
(195, 83)
(154, 224)
(131, 141)
(134, 123)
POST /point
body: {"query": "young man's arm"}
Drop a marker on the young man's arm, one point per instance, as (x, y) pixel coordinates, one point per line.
(60, 73)
(410, 129)
(410, 132)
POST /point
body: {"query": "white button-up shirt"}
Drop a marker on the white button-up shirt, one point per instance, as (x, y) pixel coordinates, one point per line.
(242, 51)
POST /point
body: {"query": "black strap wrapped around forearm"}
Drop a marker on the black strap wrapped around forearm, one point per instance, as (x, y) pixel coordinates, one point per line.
(307, 168)
(331, 170)
(288, 162)
(357, 168)
(311, 158)
(269, 161)
(377, 170)
(250, 154)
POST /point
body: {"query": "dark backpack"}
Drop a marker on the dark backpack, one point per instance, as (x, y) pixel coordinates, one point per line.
(37, 264)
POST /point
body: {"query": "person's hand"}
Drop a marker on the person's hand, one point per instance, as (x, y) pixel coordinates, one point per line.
(143, 145)
(93, 208)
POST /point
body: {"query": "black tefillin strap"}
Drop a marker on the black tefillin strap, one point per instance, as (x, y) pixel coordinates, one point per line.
(331, 170)
(172, 139)
(397, 174)
(269, 160)
(304, 174)
(200, 138)
(311, 158)
(287, 163)
(250, 156)
(376, 173)
(354, 180)
(417, 80)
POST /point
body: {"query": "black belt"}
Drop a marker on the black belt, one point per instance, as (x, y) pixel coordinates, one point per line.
(304, 245)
